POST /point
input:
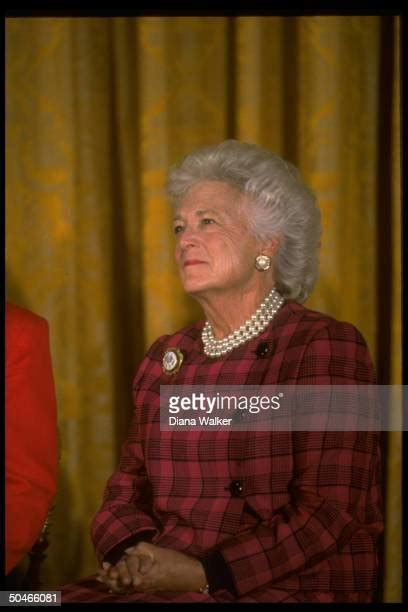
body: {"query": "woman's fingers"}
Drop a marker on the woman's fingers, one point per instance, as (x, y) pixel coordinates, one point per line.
(124, 577)
(145, 563)
(116, 577)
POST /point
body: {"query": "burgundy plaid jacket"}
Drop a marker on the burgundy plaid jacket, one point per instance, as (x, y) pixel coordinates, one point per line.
(284, 516)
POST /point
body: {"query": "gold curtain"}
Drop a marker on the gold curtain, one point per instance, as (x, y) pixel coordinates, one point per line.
(96, 111)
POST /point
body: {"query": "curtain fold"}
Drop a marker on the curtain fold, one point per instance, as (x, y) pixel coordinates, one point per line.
(97, 109)
(393, 562)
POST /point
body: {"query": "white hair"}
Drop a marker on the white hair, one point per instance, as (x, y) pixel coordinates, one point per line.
(281, 205)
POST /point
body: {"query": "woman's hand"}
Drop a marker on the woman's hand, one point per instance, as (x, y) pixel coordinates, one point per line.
(117, 577)
(154, 568)
(149, 568)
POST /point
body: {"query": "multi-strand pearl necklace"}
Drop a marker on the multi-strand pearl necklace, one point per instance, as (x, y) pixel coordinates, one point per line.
(251, 328)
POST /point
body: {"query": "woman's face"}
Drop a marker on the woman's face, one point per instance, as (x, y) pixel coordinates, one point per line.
(215, 250)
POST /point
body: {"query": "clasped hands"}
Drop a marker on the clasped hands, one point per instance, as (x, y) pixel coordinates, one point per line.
(148, 568)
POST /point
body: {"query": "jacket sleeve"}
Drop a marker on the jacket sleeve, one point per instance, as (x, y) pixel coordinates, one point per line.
(125, 515)
(31, 433)
(334, 492)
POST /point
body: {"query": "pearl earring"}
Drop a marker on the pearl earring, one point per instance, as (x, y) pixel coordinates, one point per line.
(262, 262)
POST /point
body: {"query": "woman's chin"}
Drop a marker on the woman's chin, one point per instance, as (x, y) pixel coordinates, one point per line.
(195, 287)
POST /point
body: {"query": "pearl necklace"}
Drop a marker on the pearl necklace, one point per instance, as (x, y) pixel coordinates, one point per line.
(251, 328)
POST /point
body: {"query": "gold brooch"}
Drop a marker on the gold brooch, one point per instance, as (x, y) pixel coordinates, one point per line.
(172, 360)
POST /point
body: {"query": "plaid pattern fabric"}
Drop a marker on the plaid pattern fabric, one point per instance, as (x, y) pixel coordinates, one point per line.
(89, 590)
(314, 497)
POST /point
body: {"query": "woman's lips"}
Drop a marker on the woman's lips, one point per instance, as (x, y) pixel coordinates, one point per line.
(192, 262)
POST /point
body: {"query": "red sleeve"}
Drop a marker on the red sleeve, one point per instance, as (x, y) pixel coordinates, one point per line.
(31, 431)
(126, 512)
(335, 493)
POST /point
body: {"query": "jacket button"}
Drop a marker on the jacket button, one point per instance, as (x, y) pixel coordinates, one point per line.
(236, 488)
(262, 349)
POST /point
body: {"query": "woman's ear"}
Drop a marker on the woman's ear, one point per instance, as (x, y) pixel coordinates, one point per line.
(270, 247)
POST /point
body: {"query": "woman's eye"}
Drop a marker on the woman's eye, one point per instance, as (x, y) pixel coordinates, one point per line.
(177, 229)
(207, 221)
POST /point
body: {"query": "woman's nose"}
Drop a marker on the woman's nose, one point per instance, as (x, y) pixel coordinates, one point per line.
(187, 238)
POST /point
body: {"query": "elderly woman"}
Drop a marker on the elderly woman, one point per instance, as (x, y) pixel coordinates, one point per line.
(255, 516)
